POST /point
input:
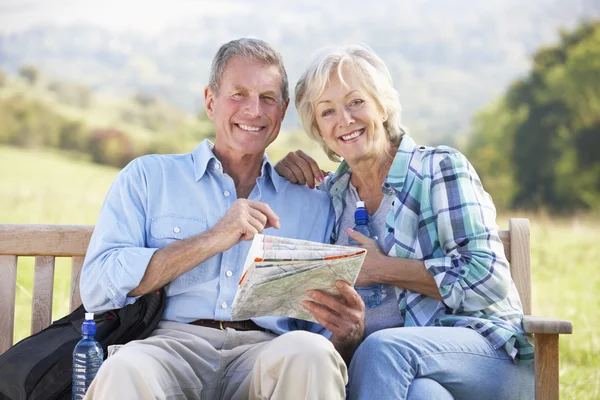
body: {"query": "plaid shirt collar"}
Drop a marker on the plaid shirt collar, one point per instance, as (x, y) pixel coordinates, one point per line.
(338, 185)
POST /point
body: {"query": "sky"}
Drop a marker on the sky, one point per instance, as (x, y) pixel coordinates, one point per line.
(147, 17)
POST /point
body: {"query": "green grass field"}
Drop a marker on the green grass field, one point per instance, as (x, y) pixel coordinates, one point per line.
(45, 187)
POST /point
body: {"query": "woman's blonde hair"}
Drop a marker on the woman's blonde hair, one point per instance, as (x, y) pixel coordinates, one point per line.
(370, 70)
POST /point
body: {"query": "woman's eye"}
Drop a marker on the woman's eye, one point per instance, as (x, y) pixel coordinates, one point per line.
(356, 102)
(326, 113)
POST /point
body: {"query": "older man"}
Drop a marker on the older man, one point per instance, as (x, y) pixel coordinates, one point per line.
(184, 221)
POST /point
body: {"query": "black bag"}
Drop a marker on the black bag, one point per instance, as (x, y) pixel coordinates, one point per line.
(40, 367)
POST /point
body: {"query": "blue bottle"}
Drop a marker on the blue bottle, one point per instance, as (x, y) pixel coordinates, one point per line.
(87, 358)
(371, 295)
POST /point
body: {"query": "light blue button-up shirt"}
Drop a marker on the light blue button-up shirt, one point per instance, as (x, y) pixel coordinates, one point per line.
(159, 199)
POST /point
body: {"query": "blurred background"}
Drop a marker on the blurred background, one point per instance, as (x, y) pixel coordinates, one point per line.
(87, 86)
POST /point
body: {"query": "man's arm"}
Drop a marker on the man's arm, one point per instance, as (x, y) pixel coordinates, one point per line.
(118, 263)
(242, 221)
(117, 255)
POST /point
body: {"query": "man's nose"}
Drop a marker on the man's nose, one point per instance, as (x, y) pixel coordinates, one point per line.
(252, 107)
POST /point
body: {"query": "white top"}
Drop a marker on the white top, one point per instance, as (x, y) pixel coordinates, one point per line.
(89, 316)
(360, 204)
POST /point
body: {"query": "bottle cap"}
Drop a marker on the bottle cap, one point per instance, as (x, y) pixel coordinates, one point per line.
(361, 214)
(89, 316)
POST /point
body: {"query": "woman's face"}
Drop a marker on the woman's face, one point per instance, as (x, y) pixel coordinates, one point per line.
(349, 120)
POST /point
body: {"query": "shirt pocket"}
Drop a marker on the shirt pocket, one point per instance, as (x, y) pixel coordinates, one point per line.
(169, 228)
(166, 229)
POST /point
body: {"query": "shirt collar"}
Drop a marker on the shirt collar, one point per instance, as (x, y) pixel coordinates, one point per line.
(268, 171)
(399, 169)
(204, 159)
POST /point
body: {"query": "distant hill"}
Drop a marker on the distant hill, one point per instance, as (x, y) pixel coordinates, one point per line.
(448, 58)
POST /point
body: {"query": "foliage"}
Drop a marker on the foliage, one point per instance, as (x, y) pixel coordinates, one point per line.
(538, 146)
(30, 73)
(29, 123)
(490, 148)
(110, 147)
(71, 94)
(71, 117)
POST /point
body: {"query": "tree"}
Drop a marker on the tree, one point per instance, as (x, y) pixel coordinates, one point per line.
(29, 73)
(110, 147)
(144, 99)
(73, 136)
(548, 125)
(490, 148)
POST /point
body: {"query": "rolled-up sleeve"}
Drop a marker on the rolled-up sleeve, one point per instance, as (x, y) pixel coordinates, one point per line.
(473, 272)
(117, 255)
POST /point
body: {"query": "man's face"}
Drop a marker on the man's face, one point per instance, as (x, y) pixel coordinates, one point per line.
(248, 110)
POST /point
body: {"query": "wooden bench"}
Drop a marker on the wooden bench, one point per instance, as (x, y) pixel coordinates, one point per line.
(46, 242)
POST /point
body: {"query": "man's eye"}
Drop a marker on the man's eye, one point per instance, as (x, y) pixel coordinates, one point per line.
(239, 94)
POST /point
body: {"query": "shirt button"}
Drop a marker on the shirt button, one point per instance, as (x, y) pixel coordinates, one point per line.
(176, 230)
(226, 193)
(223, 305)
(217, 166)
(228, 273)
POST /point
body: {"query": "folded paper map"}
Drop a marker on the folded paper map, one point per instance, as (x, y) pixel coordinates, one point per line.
(279, 271)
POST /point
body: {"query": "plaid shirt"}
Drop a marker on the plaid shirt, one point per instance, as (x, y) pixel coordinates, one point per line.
(442, 215)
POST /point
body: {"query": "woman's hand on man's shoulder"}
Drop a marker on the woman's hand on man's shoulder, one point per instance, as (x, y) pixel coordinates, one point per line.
(298, 167)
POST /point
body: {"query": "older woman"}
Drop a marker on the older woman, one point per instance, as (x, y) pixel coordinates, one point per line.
(449, 324)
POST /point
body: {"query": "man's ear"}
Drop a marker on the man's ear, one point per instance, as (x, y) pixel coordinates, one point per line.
(209, 101)
(285, 107)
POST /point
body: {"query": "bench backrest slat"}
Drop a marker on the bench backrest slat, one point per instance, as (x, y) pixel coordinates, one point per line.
(41, 307)
(8, 290)
(520, 260)
(76, 265)
(44, 240)
(49, 241)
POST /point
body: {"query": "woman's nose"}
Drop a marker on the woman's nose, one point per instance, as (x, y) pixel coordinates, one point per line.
(346, 118)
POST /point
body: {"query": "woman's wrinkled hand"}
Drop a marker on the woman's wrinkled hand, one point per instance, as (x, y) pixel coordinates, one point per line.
(373, 260)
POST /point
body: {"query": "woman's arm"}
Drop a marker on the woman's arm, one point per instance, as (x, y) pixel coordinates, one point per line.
(472, 273)
(400, 272)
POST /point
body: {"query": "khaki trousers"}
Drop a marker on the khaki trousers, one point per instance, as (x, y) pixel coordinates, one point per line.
(183, 361)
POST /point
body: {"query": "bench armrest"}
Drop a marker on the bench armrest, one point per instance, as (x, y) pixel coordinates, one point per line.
(545, 325)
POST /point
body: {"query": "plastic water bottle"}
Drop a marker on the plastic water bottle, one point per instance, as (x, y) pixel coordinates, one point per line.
(87, 358)
(371, 295)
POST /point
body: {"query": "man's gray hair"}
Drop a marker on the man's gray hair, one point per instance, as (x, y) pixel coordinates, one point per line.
(250, 49)
(371, 71)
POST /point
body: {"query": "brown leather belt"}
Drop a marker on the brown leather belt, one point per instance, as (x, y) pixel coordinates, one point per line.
(246, 325)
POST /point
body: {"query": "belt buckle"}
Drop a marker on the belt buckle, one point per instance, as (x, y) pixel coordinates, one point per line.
(221, 327)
